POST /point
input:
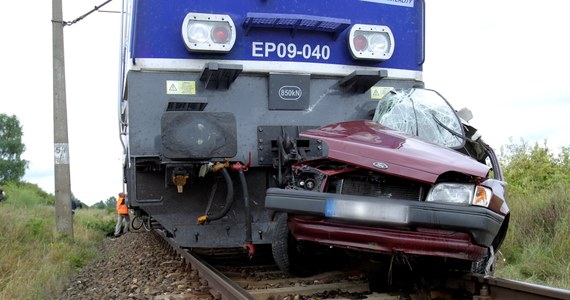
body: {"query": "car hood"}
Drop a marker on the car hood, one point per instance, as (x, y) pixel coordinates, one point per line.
(376, 147)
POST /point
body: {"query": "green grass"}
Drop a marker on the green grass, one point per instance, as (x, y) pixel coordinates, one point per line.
(34, 262)
(537, 246)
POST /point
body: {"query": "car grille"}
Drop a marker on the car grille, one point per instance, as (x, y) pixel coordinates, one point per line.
(386, 187)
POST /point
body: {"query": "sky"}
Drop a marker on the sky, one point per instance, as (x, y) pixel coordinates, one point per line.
(507, 61)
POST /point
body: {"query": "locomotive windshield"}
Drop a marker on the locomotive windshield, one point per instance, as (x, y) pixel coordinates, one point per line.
(423, 113)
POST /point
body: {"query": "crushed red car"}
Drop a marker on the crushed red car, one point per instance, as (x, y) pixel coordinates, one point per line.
(416, 180)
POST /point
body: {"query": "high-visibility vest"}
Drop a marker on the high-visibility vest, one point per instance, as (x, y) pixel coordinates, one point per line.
(122, 206)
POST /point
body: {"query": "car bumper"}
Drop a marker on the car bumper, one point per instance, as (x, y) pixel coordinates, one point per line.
(388, 225)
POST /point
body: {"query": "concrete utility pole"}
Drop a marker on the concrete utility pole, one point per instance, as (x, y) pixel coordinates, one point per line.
(64, 218)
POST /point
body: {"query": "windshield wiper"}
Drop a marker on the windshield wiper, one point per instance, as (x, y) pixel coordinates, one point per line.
(455, 133)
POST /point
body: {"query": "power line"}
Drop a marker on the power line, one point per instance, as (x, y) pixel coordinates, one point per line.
(69, 23)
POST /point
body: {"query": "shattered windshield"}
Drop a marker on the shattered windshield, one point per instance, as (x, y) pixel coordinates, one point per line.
(423, 113)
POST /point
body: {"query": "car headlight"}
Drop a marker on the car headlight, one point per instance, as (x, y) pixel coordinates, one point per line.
(460, 193)
(371, 42)
(208, 32)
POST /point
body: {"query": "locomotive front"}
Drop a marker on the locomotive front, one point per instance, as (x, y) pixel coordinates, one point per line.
(215, 94)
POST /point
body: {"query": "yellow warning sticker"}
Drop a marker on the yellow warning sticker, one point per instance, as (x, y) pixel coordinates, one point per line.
(177, 87)
(378, 92)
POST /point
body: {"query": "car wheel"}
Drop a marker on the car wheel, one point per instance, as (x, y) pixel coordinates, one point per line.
(288, 252)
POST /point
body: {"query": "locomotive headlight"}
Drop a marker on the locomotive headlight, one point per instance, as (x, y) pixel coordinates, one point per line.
(198, 33)
(371, 42)
(459, 193)
(208, 33)
(379, 43)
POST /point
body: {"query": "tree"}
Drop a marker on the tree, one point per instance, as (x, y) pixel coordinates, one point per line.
(111, 202)
(12, 166)
(107, 204)
(99, 205)
(533, 169)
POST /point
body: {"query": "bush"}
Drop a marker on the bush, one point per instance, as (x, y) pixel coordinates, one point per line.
(97, 219)
(25, 194)
(538, 241)
(529, 169)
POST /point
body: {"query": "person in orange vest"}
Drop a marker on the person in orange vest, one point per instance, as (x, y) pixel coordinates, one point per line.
(123, 215)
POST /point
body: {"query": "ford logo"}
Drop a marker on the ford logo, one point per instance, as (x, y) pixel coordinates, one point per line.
(290, 92)
(380, 165)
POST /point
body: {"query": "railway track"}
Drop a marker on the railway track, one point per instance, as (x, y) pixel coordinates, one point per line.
(263, 280)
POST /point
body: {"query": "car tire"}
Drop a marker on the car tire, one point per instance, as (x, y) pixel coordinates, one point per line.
(288, 252)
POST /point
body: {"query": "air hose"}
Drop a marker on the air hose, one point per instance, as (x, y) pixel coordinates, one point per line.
(229, 200)
(248, 237)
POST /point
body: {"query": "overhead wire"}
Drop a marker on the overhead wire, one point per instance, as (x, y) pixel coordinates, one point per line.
(69, 23)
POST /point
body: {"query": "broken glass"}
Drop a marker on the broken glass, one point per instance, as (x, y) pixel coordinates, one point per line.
(423, 113)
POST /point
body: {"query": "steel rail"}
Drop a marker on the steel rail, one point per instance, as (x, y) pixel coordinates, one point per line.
(500, 288)
(221, 287)
(481, 287)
